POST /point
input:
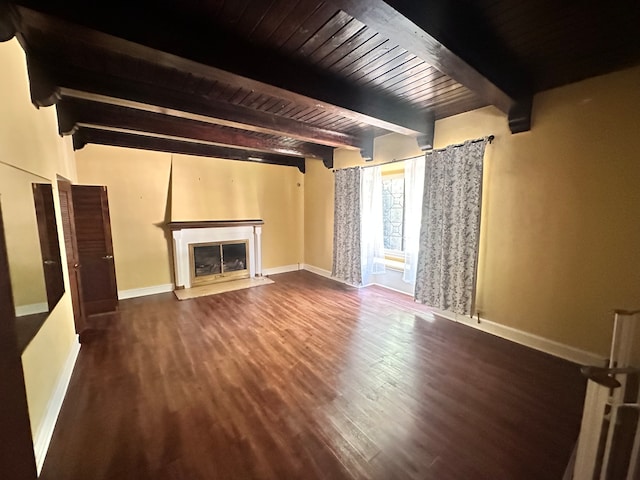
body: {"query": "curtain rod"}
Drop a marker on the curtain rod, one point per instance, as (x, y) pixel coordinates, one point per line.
(488, 138)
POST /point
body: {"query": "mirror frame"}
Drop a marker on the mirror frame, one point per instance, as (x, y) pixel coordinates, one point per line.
(27, 326)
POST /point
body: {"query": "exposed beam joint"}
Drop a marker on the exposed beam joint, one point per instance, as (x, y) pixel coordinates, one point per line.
(44, 91)
(425, 142)
(366, 152)
(520, 115)
(130, 139)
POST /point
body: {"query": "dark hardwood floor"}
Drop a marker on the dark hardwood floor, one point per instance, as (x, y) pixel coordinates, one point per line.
(309, 379)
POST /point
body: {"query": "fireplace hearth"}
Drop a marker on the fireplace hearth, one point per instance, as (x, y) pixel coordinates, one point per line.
(216, 251)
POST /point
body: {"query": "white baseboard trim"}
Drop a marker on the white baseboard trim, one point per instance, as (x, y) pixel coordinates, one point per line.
(326, 273)
(31, 309)
(317, 270)
(557, 349)
(284, 269)
(392, 289)
(44, 432)
(144, 291)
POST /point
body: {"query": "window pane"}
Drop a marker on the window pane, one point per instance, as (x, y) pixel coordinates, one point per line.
(393, 212)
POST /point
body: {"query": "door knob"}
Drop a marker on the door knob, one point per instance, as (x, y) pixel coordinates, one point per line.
(107, 257)
(49, 262)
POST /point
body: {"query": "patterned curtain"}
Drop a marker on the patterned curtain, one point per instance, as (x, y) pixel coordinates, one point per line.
(447, 260)
(347, 265)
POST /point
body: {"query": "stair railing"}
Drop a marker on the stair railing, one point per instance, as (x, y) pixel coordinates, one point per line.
(611, 390)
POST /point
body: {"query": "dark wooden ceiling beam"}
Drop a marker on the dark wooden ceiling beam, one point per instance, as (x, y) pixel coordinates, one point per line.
(251, 66)
(456, 41)
(73, 113)
(414, 27)
(8, 21)
(130, 139)
(50, 82)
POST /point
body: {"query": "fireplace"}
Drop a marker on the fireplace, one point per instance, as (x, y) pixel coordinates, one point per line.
(216, 251)
(218, 261)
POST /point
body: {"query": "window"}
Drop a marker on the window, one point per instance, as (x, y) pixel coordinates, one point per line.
(393, 214)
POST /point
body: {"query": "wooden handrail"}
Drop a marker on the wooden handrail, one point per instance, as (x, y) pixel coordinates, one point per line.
(605, 376)
(626, 312)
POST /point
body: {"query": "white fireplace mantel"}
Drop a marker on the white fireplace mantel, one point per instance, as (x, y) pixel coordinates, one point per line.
(187, 233)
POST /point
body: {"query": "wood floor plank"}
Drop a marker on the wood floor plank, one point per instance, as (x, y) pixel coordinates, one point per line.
(309, 379)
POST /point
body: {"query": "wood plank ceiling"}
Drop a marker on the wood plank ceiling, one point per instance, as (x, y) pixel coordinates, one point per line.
(277, 81)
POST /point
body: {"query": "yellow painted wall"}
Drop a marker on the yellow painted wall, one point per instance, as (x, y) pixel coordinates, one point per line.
(214, 189)
(318, 215)
(138, 188)
(560, 239)
(138, 184)
(29, 141)
(560, 234)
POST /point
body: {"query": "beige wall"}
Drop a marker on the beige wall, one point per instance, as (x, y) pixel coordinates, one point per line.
(138, 184)
(29, 142)
(138, 188)
(214, 189)
(560, 236)
(318, 215)
(560, 230)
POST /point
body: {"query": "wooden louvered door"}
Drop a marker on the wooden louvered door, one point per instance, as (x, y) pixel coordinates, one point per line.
(73, 262)
(95, 250)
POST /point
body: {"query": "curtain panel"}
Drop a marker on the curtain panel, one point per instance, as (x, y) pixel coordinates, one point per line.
(347, 265)
(413, 193)
(450, 231)
(371, 229)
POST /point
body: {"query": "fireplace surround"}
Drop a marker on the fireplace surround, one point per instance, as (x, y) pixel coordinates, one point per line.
(214, 251)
